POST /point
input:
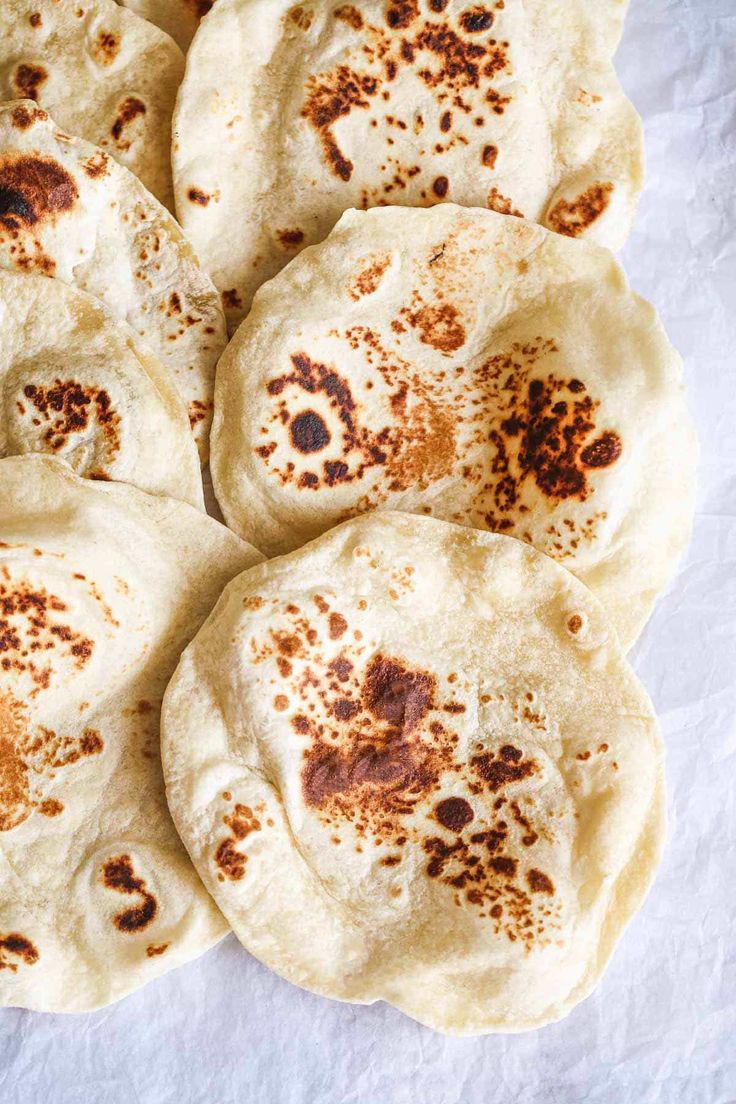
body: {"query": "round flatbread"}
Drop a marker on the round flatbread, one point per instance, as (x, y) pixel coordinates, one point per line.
(291, 113)
(69, 210)
(101, 587)
(179, 18)
(411, 763)
(102, 72)
(74, 383)
(470, 366)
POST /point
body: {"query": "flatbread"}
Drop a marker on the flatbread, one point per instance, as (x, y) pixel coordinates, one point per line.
(470, 366)
(102, 72)
(179, 18)
(291, 113)
(68, 210)
(101, 586)
(75, 384)
(411, 763)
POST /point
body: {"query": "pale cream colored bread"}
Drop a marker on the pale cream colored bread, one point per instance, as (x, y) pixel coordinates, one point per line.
(101, 586)
(291, 113)
(411, 764)
(102, 72)
(77, 384)
(470, 366)
(69, 210)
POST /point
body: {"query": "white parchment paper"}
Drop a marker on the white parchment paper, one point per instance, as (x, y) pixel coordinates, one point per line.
(661, 1028)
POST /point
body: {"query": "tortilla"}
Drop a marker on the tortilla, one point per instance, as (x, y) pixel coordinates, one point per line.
(291, 113)
(179, 18)
(411, 763)
(102, 72)
(68, 210)
(470, 366)
(76, 384)
(101, 587)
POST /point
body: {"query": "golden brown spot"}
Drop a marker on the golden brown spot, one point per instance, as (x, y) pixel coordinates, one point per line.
(338, 626)
(454, 813)
(350, 15)
(509, 767)
(68, 408)
(196, 195)
(51, 807)
(154, 949)
(35, 19)
(231, 300)
(502, 204)
(490, 154)
(96, 165)
(290, 239)
(368, 281)
(33, 189)
(108, 47)
(241, 822)
(439, 326)
(539, 882)
(130, 109)
(573, 218)
(18, 946)
(23, 118)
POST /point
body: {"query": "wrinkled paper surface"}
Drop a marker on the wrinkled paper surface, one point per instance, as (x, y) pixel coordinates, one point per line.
(661, 1028)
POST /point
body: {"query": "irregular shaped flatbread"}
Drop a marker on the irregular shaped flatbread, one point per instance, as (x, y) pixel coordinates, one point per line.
(411, 763)
(291, 113)
(179, 18)
(101, 586)
(102, 72)
(76, 384)
(470, 366)
(69, 210)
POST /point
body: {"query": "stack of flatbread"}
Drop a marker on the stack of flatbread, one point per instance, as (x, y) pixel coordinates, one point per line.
(380, 722)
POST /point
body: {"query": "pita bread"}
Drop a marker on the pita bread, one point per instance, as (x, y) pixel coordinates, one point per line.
(410, 763)
(101, 588)
(470, 366)
(102, 72)
(74, 384)
(179, 18)
(291, 113)
(68, 210)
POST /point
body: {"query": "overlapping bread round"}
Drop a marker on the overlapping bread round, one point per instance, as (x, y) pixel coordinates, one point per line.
(471, 366)
(411, 763)
(75, 383)
(289, 114)
(102, 72)
(101, 586)
(179, 18)
(69, 210)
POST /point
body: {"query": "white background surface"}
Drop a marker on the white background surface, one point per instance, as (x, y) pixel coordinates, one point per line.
(661, 1028)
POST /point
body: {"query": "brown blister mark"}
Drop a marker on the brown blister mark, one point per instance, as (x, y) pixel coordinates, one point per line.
(33, 190)
(502, 204)
(130, 109)
(35, 20)
(574, 217)
(18, 947)
(300, 17)
(155, 949)
(539, 882)
(107, 47)
(440, 186)
(118, 874)
(337, 626)
(198, 411)
(350, 15)
(51, 807)
(68, 408)
(439, 325)
(198, 197)
(400, 14)
(97, 165)
(231, 300)
(500, 771)
(454, 813)
(603, 452)
(369, 279)
(28, 80)
(290, 239)
(477, 19)
(230, 861)
(23, 117)
(574, 624)
(308, 432)
(489, 156)
(331, 97)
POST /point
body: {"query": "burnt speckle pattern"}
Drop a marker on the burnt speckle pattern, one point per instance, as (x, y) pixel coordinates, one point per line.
(67, 409)
(370, 277)
(573, 218)
(290, 239)
(30, 758)
(28, 80)
(383, 773)
(118, 874)
(17, 949)
(229, 860)
(33, 627)
(456, 62)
